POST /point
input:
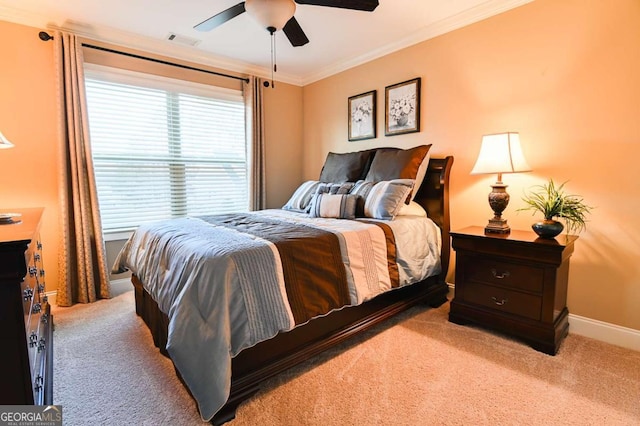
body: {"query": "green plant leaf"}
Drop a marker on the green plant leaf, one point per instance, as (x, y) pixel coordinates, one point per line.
(553, 202)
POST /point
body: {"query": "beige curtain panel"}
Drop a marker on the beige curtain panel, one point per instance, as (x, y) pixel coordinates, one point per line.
(82, 264)
(254, 114)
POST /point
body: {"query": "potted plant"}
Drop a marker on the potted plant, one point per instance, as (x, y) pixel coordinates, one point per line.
(553, 202)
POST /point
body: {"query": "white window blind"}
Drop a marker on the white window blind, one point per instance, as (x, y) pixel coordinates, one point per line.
(164, 148)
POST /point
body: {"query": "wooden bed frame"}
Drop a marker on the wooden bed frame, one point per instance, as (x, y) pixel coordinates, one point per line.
(269, 358)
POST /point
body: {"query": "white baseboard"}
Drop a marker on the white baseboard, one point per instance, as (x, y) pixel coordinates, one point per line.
(120, 286)
(117, 287)
(605, 332)
(51, 297)
(594, 329)
(599, 330)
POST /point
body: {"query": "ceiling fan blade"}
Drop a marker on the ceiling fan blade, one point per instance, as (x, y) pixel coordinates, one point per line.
(294, 33)
(365, 5)
(220, 18)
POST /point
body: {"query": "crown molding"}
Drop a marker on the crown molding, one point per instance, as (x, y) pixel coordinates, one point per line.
(139, 42)
(462, 19)
(191, 54)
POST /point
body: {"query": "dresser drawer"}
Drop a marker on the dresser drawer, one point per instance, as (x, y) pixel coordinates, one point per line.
(502, 273)
(39, 355)
(26, 345)
(30, 297)
(38, 336)
(504, 300)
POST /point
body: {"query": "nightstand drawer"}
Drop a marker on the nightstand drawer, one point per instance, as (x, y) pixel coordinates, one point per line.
(503, 300)
(504, 274)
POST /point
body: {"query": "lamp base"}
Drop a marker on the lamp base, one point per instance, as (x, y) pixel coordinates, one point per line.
(498, 200)
(497, 226)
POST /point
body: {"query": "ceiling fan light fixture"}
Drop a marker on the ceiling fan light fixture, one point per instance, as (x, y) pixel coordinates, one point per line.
(271, 13)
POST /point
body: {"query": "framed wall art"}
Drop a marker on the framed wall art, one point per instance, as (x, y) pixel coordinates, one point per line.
(362, 116)
(402, 108)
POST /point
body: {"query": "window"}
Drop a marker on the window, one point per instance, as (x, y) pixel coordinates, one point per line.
(164, 148)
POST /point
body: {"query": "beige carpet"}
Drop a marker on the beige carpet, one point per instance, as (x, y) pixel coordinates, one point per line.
(417, 369)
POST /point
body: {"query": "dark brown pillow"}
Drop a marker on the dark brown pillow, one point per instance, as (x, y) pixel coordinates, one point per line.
(347, 167)
(395, 163)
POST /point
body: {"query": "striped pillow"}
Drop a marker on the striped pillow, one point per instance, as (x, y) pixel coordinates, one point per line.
(301, 198)
(334, 188)
(338, 206)
(361, 189)
(385, 198)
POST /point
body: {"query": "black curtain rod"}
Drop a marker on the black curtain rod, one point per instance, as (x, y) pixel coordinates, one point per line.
(44, 36)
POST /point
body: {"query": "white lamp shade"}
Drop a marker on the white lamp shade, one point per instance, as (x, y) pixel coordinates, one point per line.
(4, 142)
(271, 13)
(500, 153)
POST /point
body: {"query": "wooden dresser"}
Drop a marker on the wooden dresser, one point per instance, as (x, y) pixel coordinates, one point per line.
(26, 324)
(514, 283)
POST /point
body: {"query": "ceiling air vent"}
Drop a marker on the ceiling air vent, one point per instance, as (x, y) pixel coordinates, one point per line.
(177, 38)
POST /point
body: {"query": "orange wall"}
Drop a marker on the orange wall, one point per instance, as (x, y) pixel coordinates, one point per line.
(283, 118)
(28, 118)
(563, 73)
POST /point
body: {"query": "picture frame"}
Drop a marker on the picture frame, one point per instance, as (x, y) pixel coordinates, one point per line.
(402, 107)
(362, 116)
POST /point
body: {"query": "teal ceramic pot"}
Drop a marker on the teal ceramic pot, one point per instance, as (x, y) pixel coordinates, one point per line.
(547, 228)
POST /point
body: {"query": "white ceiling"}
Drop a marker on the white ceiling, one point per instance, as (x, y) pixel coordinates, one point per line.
(339, 38)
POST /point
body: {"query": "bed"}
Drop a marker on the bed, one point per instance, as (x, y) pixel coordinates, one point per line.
(222, 374)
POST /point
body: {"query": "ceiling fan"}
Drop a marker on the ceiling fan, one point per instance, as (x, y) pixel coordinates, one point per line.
(277, 15)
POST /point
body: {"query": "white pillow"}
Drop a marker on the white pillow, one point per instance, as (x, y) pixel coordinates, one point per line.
(412, 209)
(301, 198)
(386, 197)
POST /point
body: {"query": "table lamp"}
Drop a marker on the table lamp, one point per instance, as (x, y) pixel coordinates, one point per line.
(4, 142)
(500, 153)
(7, 218)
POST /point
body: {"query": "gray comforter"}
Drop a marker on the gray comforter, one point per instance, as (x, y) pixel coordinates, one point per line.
(226, 284)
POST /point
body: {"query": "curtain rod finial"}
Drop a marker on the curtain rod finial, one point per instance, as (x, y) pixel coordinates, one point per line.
(44, 36)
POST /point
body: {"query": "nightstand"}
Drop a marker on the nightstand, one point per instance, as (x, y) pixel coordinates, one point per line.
(515, 284)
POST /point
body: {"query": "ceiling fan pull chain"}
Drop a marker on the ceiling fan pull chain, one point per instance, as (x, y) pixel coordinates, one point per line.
(272, 31)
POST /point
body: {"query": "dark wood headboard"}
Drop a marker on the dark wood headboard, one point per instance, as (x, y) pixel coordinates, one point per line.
(433, 195)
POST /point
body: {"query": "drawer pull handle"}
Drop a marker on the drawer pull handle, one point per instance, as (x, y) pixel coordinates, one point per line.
(37, 257)
(500, 276)
(33, 271)
(33, 339)
(37, 383)
(40, 288)
(28, 294)
(41, 344)
(499, 302)
(44, 318)
(42, 272)
(36, 308)
(39, 245)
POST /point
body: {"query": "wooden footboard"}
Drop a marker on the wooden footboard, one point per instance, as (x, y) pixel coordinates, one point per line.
(266, 359)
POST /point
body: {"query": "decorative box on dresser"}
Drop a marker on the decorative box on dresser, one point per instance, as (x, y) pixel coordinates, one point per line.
(26, 324)
(513, 283)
